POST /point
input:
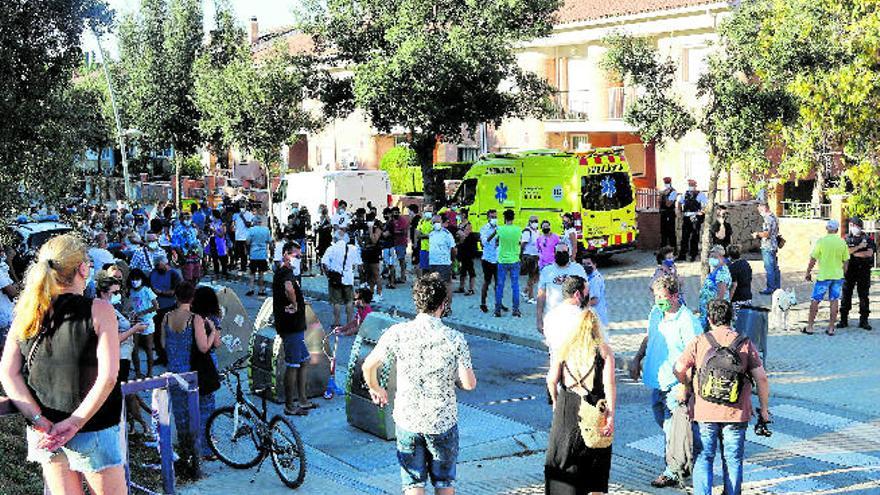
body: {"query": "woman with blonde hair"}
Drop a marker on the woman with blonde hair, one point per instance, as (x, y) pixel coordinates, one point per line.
(584, 394)
(59, 368)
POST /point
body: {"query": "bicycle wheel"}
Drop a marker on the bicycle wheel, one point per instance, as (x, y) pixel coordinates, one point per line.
(234, 440)
(288, 454)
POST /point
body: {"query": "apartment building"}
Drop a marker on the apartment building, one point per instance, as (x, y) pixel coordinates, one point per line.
(588, 103)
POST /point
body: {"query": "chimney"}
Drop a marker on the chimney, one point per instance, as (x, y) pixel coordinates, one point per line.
(255, 30)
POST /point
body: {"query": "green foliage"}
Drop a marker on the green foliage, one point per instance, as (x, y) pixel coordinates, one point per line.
(43, 116)
(191, 166)
(403, 169)
(430, 67)
(864, 201)
(157, 50)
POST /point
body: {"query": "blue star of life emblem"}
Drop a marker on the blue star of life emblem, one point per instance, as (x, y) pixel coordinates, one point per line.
(609, 188)
(501, 192)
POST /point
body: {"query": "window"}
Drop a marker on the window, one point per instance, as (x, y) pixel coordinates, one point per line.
(468, 153)
(694, 63)
(605, 192)
(580, 142)
(401, 140)
(696, 166)
(466, 193)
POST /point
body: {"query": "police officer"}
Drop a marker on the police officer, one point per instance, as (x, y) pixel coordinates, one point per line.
(667, 198)
(858, 273)
(692, 204)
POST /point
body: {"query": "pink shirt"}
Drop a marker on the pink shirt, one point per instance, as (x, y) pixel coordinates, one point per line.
(547, 249)
(362, 313)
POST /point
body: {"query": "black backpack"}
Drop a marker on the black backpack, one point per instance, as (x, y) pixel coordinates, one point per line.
(721, 376)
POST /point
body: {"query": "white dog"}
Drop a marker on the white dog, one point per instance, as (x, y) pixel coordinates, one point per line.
(781, 304)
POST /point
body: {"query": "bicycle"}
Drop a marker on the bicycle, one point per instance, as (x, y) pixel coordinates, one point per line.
(241, 436)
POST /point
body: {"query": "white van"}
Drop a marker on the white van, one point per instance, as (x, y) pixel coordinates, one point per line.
(310, 189)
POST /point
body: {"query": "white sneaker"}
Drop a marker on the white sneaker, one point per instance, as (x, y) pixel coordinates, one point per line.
(531, 301)
(378, 298)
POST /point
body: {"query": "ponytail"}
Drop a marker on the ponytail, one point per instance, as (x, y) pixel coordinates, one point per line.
(54, 270)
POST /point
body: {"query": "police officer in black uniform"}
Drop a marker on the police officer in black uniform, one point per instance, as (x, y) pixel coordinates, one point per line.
(667, 215)
(692, 203)
(858, 273)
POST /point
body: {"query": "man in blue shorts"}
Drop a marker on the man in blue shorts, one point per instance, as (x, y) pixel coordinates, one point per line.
(289, 310)
(832, 254)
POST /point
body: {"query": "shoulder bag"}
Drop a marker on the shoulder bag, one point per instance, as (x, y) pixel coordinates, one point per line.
(592, 418)
(334, 277)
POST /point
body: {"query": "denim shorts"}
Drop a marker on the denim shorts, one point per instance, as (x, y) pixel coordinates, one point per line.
(423, 455)
(389, 256)
(295, 351)
(401, 252)
(86, 452)
(832, 288)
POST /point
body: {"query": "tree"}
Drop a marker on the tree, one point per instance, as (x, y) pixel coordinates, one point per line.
(431, 68)
(402, 166)
(39, 133)
(736, 114)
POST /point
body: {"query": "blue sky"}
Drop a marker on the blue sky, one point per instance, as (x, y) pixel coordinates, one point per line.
(270, 14)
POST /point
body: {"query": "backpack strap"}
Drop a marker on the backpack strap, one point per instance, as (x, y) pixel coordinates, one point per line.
(712, 342)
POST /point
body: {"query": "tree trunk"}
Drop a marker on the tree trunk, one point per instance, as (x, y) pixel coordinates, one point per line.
(424, 148)
(269, 213)
(705, 236)
(819, 187)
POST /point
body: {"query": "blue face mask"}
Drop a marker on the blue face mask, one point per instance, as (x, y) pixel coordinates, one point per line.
(714, 262)
(668, 263)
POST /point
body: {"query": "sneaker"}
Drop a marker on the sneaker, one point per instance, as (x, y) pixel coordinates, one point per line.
(843, 323)
(531, 300)
(864, 325)
(458, 291)
(484, 308)
(378, 298)
(664, 481)
(516, 314)
(497, 314)
(504, 308)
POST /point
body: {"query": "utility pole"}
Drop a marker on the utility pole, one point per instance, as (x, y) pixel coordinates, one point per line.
(119, 134)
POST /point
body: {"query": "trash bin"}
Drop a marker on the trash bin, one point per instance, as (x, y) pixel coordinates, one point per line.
(235, 326)
(267, 366)
(359, 408)
(752, 321)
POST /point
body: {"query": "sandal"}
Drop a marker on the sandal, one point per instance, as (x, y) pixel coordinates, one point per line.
(829, 332)
(299, 411)
(804, 330)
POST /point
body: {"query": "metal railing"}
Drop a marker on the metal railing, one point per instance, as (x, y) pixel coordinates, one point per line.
(647, 199)
(814, 211)
(571, 105)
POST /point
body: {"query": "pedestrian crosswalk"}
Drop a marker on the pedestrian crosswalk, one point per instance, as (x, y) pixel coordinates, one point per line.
(809, 452)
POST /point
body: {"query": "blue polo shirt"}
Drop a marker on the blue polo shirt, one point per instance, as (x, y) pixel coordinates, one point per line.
(667, 339)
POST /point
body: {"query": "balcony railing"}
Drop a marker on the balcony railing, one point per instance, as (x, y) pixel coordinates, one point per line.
(794, 209)
(571, 105)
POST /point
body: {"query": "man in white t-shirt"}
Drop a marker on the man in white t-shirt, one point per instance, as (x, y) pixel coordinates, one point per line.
(341, 258)
(242, 221)
(341, 219)
(529, 243)
(552, 278)
(569, 235)
(99, 254)
(563, 320)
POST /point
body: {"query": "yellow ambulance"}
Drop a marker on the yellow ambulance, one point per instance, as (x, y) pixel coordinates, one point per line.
(595, 187)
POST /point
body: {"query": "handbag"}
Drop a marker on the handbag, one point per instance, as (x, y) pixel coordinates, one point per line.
(592, 418)
(201, 362)
(335, 278)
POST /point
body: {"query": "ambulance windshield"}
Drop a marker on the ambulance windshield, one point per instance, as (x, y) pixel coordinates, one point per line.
(604, 192)
(466, 193)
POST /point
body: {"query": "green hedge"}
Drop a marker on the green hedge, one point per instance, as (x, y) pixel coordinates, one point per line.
(403, 169)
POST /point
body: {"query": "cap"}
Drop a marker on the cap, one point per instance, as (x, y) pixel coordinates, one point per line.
(857, 222)
(667, 180)
(691, 180)
(832, 225)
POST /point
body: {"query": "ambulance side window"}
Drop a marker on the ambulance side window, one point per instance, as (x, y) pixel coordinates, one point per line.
(605, 192)
(466, 193)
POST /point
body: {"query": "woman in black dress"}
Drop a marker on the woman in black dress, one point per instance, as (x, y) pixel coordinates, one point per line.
(583, 369)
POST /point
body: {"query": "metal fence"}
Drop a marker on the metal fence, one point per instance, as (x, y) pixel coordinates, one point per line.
(647, 198)
(571, 105)
(814, 211)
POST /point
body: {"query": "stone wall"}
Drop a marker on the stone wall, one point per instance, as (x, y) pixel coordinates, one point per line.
(800, 235)
(742, 215)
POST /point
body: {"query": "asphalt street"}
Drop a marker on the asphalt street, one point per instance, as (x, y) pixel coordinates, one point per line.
(816, 448)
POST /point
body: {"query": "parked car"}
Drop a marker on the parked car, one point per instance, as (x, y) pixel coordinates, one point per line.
(30, 235)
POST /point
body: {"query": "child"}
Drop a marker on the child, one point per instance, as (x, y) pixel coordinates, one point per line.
(142, 306)
(362, 299)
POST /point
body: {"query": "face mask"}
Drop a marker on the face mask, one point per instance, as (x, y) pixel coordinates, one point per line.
(668, 263)
(662, 304)
(136, 284)
(99, 226)
(561, 258)
(370, 224)
(427, 215)
(854, 230)
(187, 222)
(546, 230)
(589, 269)
(153, 245)
(692, 188)
(667, 185)
(493, 221)
(116, 299)
(534, 225)
(714, 262)
(342, 211)
(437, 226)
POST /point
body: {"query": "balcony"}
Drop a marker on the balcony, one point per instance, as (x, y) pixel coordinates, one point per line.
(571, 105)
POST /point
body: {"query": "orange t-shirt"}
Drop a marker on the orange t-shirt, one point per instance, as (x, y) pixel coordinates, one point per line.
(709, 412)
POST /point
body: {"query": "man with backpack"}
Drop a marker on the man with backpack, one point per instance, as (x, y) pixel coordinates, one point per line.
(717, 369)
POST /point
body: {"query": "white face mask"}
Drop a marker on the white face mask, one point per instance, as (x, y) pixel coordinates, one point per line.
(534, 225)
(153, 245)
(428, 215)
(692, 188)
(136, 284)
(855, 230)
(438, 226)
(370, 224)
(116, 299)
(493, 221)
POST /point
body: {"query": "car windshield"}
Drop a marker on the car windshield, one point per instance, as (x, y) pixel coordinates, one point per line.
(37, 239)
(466, 193)
(606, 192)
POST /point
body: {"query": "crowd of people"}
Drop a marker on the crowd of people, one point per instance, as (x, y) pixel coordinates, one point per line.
(131, 291)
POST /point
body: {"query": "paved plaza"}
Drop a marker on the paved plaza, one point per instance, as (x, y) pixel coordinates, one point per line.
(823, 402)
